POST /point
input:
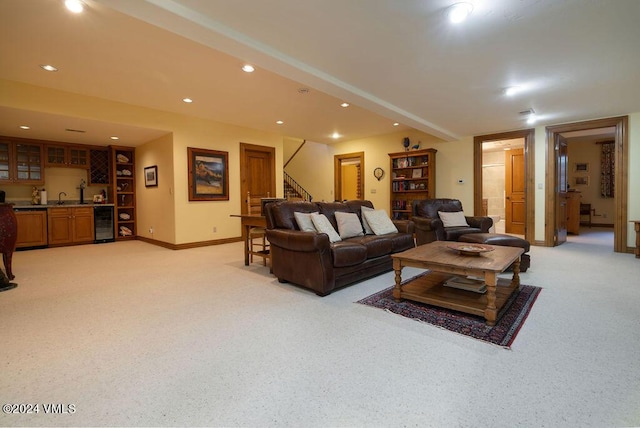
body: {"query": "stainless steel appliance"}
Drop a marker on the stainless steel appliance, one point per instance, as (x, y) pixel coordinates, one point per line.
(103, 223)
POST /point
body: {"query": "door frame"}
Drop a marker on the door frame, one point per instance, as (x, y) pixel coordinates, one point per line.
(244, 173)
(337, 173)
(621, 137)
(529, 176)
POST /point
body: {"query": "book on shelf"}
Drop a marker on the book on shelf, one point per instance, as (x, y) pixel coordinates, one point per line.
(467, 283)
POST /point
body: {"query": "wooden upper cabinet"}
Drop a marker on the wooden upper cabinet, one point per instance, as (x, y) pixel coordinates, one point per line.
(67, 155)
(21, 162)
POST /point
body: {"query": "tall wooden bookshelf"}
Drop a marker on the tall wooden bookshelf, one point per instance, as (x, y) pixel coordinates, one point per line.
(413, 177)
(124, 191)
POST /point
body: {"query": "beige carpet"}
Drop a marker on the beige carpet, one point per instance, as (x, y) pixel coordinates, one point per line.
(133, 334)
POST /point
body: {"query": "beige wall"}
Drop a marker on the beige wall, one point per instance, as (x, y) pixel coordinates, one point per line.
(312, 167)
(194, 221)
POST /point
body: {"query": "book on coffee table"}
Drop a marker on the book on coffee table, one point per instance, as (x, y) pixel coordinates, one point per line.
(466, 283)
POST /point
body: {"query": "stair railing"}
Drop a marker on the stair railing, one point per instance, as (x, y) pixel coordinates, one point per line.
(293, 188)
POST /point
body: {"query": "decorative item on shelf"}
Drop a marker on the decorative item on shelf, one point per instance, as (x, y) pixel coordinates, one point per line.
(122, 158)
(118, 172)
(406, 143)
(125, 231)
(124, 216)
(378, 173)
(35, 196)
(415, 146)
(126, 172)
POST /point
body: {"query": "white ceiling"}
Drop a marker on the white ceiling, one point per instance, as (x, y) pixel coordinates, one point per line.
(392, 60)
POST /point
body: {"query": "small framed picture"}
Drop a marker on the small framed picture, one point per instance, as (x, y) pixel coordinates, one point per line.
(582, 167)
(97, 199)
(582, 181)
(417, 173)
(151, 176)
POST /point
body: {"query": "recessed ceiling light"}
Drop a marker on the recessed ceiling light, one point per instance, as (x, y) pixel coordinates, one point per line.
(303, 91)
(24, 127)
(512, 90)
(74, 6)
(532, 119)
(335, 135)
(396, 124)
(279, 122)
(187, 100)
(48, 67)
(459, 12)
(114, 137)
(248, 68)
(344, 105)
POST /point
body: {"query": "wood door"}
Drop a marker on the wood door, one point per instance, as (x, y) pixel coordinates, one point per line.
(561, 186)
(257, 172)
(515, 206)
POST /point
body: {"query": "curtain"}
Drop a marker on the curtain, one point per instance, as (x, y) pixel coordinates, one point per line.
(607, 168)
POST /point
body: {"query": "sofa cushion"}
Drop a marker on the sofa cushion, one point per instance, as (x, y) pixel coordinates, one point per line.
(453, 233)
(329, 209)
(380, 222)
(401, 241)
(348, 225)
(376, 245)
(348, 253)
(453, 219)
(304, 221)
(322, 224)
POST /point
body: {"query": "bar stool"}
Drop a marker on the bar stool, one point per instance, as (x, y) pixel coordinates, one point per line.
(258, 244)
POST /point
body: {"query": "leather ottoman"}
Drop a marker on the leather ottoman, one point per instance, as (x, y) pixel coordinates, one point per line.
(501, 240)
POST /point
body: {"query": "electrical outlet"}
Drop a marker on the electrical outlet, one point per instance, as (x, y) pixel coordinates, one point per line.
(215, 229)
(151, 230)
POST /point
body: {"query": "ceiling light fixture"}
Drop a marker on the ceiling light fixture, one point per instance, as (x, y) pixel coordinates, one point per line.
(114, 137)
(512, 90)
(187, 100)
(48, 67)
(532, 119)
(344, 105)
(74, 6)
(248, 68)
(335, 135)
(459, 12)
(279, 122)
(396, 124)
(24, 127)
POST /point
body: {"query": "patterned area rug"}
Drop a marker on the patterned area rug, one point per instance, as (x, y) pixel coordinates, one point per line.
(510, 319)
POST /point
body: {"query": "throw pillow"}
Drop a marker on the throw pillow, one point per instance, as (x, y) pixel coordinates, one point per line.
(380, 222)
(323, 225)
(365, 223)
(453, 219)
(348, 225)
(304, 221)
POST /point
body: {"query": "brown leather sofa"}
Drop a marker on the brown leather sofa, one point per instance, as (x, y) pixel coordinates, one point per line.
(430, 228)
(309, 259)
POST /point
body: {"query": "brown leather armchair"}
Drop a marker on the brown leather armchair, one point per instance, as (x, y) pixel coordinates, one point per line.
(429, 226)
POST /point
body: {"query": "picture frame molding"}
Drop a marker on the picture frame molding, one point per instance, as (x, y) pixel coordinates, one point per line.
(196, 159)
(151, 181)
(581, 167)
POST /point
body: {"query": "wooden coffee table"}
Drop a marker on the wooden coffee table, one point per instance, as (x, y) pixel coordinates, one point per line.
(444, 263)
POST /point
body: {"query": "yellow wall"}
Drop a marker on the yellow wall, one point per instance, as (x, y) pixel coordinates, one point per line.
(194, 221)
(312, 166)
(156, 204)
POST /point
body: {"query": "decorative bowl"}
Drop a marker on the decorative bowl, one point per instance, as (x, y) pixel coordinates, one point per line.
(470, 249)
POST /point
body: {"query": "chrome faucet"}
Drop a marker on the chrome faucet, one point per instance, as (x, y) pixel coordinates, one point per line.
(60, 197)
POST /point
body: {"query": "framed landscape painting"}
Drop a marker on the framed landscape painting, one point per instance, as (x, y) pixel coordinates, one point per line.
(208, 175)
